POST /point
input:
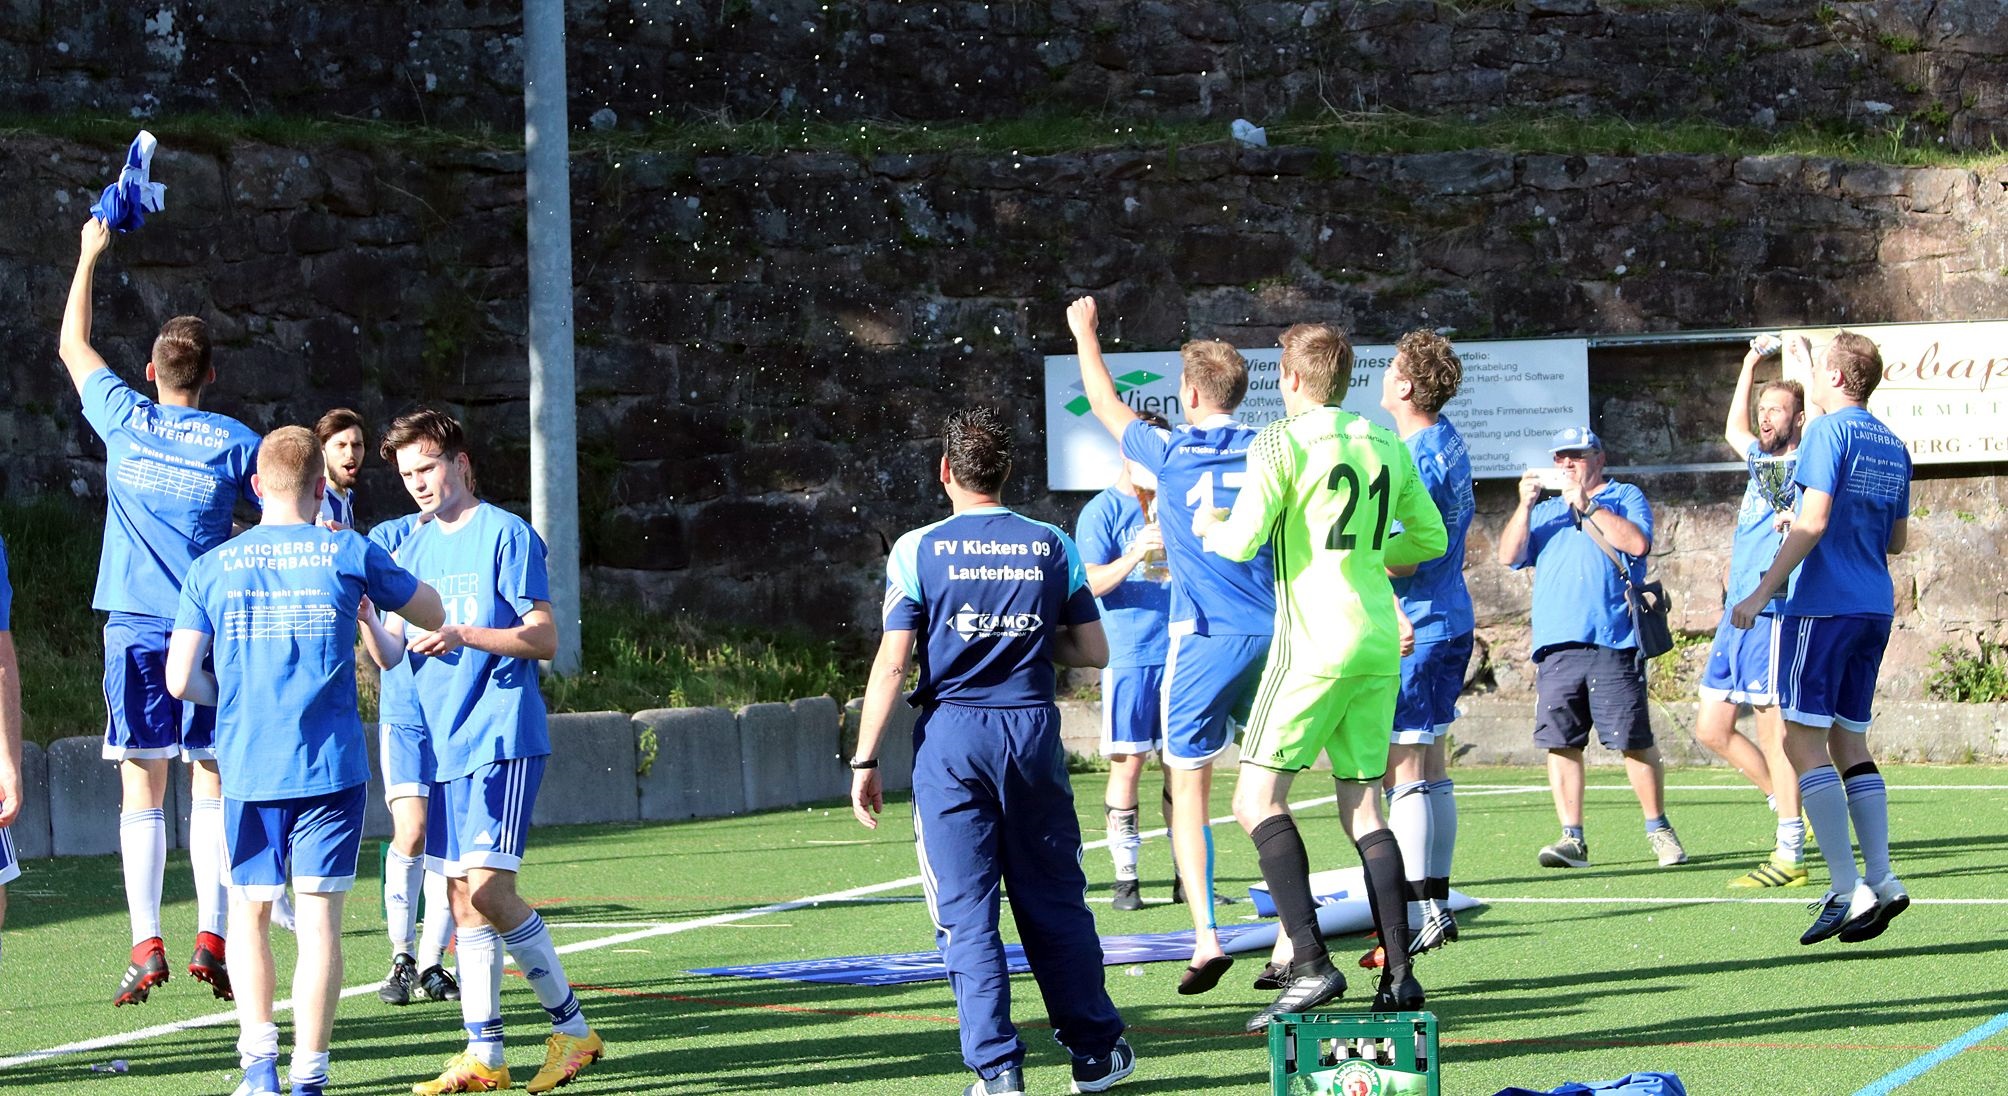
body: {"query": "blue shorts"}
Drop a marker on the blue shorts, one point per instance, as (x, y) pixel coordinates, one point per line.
(314, 840)
(408, 765)
(1826, 667)
(482, 820)
(1431, 680)
(1739, 664)
(1209, 685)
(142, 719)
(10, 860)
(1132, 710)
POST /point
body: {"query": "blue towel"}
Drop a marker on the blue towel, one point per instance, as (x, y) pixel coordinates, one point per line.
(125, 204)
(1633, 1084)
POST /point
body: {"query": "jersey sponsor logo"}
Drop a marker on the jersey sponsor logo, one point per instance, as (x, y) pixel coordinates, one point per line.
(971, 624)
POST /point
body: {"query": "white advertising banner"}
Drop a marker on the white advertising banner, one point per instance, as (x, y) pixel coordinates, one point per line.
(1942, 388)
(1516, 394)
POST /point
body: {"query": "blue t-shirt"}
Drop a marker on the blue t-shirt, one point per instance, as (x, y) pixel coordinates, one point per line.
(1133, 614)
(172, 477)
(6, 592)
(1201, 467)
(479, 707)
(1578, 595)
(1435, 598)
(1757, 537)
(339, 508)
(280, 603)
(397, 701)
(984, 590)
(1854, 458)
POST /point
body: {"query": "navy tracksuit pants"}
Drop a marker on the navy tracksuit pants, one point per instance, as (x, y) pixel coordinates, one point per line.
(991, 805)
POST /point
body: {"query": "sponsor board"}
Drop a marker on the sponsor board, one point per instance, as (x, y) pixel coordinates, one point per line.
(1944, 389)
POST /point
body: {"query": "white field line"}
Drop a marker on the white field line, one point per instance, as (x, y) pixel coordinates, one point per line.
(1664, 901)
(1522, 789)
(216, 1019)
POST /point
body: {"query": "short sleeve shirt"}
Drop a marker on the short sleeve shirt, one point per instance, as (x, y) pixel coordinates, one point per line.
(1133, 614)
(1435, 599)
(479, 707)
(1578, 595)
(397, 701)
(339, 507)
(1855, 459)
(280, 603)
(173, 476)
(984, 592)
(6, 592)
(1201, 468)
(1757, 535)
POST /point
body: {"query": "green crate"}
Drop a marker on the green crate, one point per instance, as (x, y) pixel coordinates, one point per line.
(1354, 1054)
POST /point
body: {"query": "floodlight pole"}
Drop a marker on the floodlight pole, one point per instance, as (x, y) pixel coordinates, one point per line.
(554, 458)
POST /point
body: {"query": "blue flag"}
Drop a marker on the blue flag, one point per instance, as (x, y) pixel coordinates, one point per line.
(125, 204)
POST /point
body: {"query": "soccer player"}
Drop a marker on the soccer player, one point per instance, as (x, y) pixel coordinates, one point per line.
(1739, 663)
(1422, 812)
(993, 600)
(1222, 611)
(1325, 488)
(476, 681)
(341, 434)
(1116, 536)
(1827, 644)
(1587, 669)
(409, 769)
(10, 736)
(277, 606)
(173, 473)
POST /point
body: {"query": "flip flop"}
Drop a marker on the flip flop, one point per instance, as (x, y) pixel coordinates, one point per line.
(1274, 976)
(1205, 976)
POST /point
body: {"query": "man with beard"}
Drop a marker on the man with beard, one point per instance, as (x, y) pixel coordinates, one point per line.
(341, 435)
(1739, 663)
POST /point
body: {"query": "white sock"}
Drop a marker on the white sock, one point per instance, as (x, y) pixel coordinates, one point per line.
(402, 877)
(481, 993)
(1408, 816)
(1442, 827)
(438, 922)
(309, 1067)
(1124, 842)
(211, 863)
(257, 1041)
(530, 943)
(143, 853)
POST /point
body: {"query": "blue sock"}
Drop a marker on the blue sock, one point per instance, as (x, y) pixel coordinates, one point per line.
(1654, 825)
(1868, 808)
(1573, 831)
(1826, 805)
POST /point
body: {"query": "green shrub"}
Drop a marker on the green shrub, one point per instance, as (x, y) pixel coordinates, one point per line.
(1967, 678)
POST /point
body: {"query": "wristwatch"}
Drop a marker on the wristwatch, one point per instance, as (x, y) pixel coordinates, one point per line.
(867, 763)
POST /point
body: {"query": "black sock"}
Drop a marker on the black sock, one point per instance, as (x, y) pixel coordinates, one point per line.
(1414, 890)
(1171, 846)
(1862, 769)
(1286, 867)
(1380, 856)
(1438, 889)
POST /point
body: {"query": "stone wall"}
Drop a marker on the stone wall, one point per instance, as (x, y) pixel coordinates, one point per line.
(766, 345)
(1936, 65)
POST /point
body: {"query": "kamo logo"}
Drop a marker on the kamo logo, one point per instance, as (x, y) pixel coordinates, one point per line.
(971, 624)
(1079, 404)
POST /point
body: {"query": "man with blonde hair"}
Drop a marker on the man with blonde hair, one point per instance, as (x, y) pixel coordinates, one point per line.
(1326, 490)
(277, 607)
(1222, 611)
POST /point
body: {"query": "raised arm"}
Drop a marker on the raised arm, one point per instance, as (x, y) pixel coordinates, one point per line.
(1114, 415)
(1736, 429)
(74, 344)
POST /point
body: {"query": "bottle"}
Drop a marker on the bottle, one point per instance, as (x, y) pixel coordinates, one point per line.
(1154, 567)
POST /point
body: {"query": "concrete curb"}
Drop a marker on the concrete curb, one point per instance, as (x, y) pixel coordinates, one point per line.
(695, 747)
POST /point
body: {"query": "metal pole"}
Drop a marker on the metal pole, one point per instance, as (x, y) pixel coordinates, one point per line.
(554, 464)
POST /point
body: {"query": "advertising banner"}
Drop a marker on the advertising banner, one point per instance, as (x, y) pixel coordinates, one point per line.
(1516, 394)
(1942, 388)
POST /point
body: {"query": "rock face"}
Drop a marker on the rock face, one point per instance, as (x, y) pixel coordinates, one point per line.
(1938, 66)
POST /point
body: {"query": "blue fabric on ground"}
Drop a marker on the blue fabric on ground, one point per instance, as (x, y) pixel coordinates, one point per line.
(1631, 1084)
(124, 204)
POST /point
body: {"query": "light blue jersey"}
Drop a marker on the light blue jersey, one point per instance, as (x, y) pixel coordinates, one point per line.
(480, 707)
(1203, 467)
(339, 507)
(397, 702)
(6, 592)
(1757, 537)
(1435, 599)
(1578, 595)
(1133, 614)
(984, 592)
(280, 603)
(172, 477)
(1854, 458)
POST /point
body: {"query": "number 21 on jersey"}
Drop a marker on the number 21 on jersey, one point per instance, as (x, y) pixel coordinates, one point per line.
(1346, 478)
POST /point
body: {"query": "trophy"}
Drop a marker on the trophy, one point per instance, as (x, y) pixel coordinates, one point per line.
(1773, 477)
(1154, 568)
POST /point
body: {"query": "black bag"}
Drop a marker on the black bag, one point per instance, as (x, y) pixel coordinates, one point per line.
(1648, 604)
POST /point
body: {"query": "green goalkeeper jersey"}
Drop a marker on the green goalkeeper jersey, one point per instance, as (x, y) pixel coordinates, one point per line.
(1339, 498)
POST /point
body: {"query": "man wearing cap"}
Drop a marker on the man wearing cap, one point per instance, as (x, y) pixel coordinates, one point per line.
(1587, 668)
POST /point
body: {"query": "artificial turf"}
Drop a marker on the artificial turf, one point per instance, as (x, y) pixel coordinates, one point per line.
(1565, 975)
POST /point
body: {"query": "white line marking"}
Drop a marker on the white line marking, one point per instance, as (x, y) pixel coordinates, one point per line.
(1712, 901)
(673, 928)
(1518, 789)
